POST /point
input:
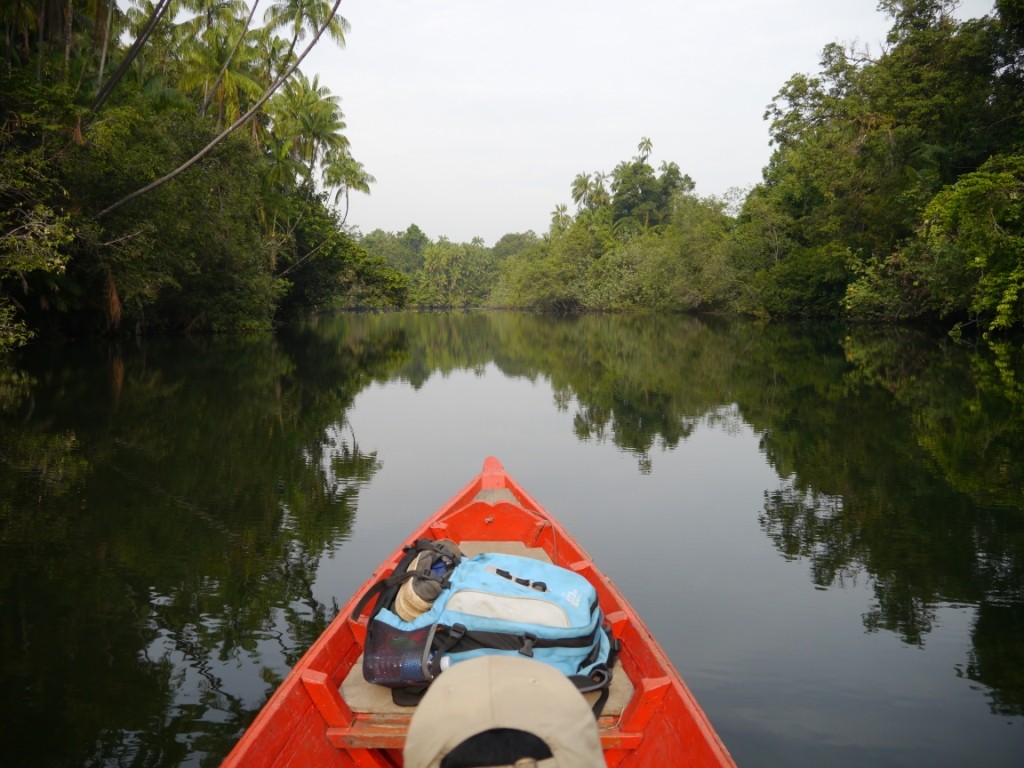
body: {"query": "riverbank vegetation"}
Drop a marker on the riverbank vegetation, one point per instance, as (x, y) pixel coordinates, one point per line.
(170, 168)
(895, 192)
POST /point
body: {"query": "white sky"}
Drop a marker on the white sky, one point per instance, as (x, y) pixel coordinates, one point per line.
(475, 115)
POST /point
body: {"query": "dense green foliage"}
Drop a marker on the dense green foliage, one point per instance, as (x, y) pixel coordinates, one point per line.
(895, 192)
(874, 156)
(237, 156)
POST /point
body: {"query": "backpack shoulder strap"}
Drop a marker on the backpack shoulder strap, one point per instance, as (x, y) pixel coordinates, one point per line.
(400, 574)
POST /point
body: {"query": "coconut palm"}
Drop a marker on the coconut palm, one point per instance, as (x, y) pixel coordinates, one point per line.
(644, 148)
(284, 170)
(108, 29)
(345, 174)
(268, 93)
(145, 19)
(560, 218)
(272, 50)
(581, 191)
(311, 116)
(220, 71)
(208, 14)
(598, 193)
(239, 38)
(300, 16)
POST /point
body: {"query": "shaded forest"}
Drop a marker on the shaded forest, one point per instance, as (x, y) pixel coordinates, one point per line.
(170, 168)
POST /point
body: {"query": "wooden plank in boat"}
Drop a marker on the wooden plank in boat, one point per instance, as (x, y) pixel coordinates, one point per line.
(474, 548)
(494, 495)
(369, 699)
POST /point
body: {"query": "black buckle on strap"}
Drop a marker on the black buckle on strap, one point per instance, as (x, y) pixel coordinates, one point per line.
(529, 640)
(455, 633)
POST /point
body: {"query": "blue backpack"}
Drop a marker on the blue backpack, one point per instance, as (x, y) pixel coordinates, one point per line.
(491, 603)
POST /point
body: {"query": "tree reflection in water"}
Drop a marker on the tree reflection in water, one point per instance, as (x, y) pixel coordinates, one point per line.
(160, 542)
(164, 509)
(902, 469)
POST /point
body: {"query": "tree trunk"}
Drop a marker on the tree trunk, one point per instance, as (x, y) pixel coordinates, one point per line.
(40, 24)
(227, 63)
(104, 92)
(106, 43)
(69, 15)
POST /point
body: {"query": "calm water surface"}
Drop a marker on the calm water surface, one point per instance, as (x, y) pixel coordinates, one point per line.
(823, 527)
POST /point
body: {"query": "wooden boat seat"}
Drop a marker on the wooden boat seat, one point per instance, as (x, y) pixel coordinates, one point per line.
(365, 698)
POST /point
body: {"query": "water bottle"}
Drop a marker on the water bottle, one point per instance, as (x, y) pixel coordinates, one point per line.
(394, 657)
(442, 665)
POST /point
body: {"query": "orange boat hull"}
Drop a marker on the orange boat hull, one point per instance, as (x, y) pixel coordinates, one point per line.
(308, 722)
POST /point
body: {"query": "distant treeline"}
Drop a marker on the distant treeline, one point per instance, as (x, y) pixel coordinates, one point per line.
(169, 168)
(895, 192)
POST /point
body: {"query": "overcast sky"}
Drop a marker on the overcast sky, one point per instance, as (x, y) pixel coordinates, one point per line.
(475, 115)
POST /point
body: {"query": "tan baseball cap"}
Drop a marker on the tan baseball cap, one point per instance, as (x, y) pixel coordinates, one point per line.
(514, 692)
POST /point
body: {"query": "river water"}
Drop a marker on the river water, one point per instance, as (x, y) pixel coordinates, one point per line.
(823, 526)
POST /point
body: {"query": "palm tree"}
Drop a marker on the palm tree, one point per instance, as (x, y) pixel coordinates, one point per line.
(598, 194)
(311, 116)
(272, 50)
(271, 89)
(270, 53)
(104, 35)
(208, 14)
(18, 20)
(301, 16)
(581, 190)
(149, 17)
(281, 176)
(560, 218)
(672, 178)
(343, 172)
(644, 148)
(220, 71)
(284, 169)
(231, 56)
